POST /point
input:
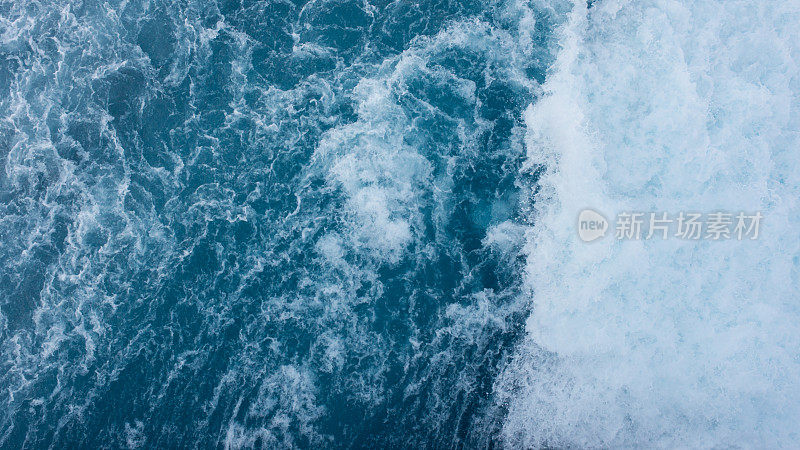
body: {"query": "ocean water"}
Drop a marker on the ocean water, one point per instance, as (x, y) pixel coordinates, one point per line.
(664, 106)
(338, 223)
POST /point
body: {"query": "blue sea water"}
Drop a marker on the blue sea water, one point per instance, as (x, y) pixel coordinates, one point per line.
(262, 223)
(339, 223)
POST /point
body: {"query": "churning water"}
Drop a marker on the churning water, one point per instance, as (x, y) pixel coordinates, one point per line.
(339, 223)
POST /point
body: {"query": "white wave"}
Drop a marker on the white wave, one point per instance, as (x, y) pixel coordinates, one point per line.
(664, 106)
(384, 178)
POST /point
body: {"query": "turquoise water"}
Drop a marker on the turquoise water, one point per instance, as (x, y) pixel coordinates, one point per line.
(351, 224)
(262, 222)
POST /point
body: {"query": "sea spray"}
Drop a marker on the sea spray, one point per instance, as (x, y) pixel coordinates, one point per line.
(664, 106)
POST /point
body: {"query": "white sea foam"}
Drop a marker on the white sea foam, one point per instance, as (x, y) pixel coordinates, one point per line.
(383, 177)
(664, 105)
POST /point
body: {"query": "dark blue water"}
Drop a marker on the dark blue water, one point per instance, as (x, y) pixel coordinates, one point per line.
(262, 223)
